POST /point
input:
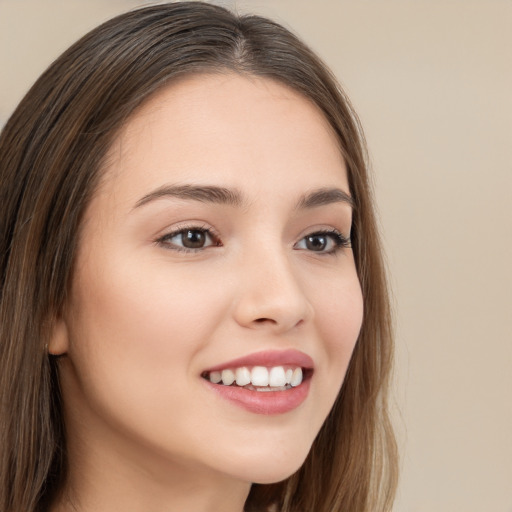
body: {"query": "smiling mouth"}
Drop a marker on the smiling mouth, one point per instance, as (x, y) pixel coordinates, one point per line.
(260, 378)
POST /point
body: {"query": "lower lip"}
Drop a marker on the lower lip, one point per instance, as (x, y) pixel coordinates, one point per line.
(263, 402)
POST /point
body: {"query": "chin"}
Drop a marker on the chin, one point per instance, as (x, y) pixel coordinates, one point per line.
(274, 475)
(269, 469)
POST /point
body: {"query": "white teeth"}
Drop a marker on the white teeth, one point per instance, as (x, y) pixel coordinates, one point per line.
(277, 377)
(243, 376)
(215, 377)
(259, 376)
(228, 377)
(296, 377)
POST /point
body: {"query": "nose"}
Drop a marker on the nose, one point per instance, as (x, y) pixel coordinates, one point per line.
(270, 294)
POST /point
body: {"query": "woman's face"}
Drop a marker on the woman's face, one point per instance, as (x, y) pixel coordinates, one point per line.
(218, 240)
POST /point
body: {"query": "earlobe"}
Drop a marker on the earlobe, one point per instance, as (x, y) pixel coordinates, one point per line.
(59, 340)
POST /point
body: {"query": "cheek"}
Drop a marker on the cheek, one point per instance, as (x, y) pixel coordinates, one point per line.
(139, 329)
(338, 307)
(340, 313)
(339, 322)
(134, 336)
(146, 305)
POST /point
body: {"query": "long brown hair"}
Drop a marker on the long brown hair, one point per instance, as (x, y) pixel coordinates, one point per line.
(51, 155)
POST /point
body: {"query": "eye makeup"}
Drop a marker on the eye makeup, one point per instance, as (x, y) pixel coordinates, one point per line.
(195, 238)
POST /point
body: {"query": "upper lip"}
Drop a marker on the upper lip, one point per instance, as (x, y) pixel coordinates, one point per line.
(268, 358)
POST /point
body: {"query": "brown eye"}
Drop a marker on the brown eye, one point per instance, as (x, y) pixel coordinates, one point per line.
(193, 238)
(316, 242)
(190, 239)
(324, 242)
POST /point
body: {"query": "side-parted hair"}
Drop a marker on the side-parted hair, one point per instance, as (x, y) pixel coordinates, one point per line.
(52, 152)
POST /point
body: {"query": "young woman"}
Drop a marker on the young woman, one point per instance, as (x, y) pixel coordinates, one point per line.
(194, 312)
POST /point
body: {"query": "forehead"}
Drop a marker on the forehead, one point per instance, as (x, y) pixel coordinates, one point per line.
(239, 130)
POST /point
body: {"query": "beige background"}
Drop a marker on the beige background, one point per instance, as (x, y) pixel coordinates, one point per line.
(432, 81)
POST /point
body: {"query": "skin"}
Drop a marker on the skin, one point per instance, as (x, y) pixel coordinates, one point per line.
(145, 319)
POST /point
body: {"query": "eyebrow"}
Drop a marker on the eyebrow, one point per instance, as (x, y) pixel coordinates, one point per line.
(233, 197)
(201, 193)
(324, 196)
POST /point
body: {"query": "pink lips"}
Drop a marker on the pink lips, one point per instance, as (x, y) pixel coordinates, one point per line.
(267, 402)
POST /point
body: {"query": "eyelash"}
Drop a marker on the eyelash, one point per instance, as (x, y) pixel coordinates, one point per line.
(340, 241)
(165, 240)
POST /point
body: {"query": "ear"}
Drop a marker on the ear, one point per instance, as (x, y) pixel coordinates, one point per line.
(59, 340)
